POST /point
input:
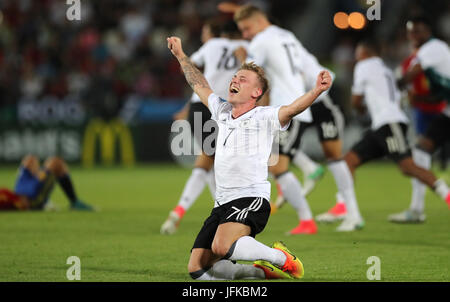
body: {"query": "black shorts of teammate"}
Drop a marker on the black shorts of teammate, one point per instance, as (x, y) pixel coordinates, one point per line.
(200, 116)
(251, 211)
(289, 140)
(388, 140)
(439, 130)
(328, 120)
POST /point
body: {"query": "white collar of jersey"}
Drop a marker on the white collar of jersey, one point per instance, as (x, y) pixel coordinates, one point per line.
(247, 114)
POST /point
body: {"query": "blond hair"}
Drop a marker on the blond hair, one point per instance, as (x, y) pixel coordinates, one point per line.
(261, 75)
(247, 11)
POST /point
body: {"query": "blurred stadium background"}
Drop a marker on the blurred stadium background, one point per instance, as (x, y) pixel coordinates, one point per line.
(104, 89)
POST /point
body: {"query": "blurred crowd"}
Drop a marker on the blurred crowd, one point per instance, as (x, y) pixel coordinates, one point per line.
(118, 47)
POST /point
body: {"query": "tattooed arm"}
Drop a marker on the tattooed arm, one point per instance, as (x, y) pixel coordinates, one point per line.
(193, 76)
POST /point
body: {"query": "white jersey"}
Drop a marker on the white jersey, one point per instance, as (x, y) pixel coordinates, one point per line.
(281, 55)
(243, 148)
(219, 63)
(434, 58)
(310, 71)
(435, 55)
(373, 80)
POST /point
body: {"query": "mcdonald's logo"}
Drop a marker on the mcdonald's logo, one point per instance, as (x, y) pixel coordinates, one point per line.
(108, 133)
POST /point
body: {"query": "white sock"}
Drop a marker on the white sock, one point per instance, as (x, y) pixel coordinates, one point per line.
(248, 248)
(227, 270)
(344, 182)
(193, 188)
(421, 159)
(306, 164)
(233, 271)
(211, 181)
(441, 188)
(292, 191)
(339, 198)
(338, 168)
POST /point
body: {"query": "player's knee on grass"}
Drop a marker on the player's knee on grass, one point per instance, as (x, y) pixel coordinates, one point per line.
(220, 247)
(200, 261)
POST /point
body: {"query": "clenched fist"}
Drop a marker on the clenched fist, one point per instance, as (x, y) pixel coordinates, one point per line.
(174, 44)
(323, 81)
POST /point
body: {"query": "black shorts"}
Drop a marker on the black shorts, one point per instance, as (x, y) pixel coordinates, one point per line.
(388, 140)
(328, 120)
(200, 116)
(439, 130)
(251, 211)
(289, 140)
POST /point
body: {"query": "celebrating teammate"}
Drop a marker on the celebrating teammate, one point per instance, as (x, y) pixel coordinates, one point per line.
(241, 207)
(35, 184)
(374, 83)
(433, 60)
(219, 63)
(288, 63)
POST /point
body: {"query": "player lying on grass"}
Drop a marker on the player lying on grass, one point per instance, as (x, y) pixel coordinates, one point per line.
(34, 185)
(374, 83)
(241, 207)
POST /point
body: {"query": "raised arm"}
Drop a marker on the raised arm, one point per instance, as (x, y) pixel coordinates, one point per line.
(193, 76)
(286, 113)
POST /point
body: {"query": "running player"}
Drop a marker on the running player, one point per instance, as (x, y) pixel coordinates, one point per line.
(374, 83)
(287, 63)
(329, 123)
(241, 207)
(219, 63)
(433, 60)
(34, 185)
(312, 171)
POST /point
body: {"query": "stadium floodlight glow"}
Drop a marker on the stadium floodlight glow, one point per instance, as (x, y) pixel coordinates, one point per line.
(340, 20)
(356, 20)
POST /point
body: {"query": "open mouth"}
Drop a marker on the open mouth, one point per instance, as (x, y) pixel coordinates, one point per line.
(234, 90)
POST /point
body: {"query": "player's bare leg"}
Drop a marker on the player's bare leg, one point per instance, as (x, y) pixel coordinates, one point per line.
(201, 175)
(292, 191)
(409, 168)
(60, 170)
(206, 264)
(422, 158)
(200, 261)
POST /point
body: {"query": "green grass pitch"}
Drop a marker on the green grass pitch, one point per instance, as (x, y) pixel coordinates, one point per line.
(121, 242)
